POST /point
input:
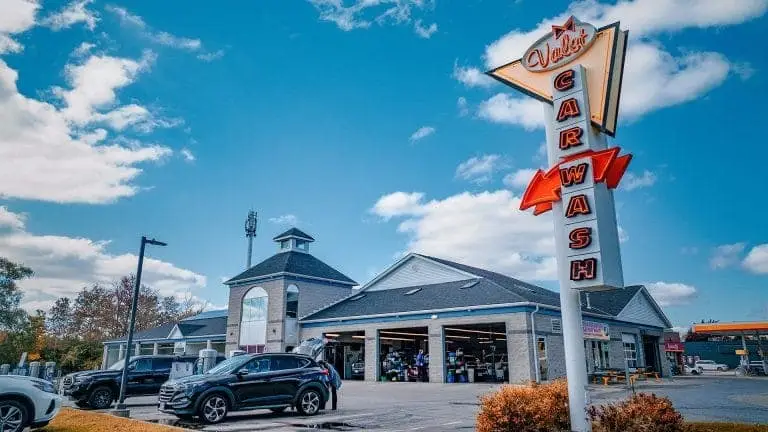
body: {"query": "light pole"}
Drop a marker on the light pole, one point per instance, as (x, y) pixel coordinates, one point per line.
(120, 409)
(250, 233)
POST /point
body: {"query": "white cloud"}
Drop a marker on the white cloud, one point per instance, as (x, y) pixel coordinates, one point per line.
(162, 37)
(37, 137)
(83, 49)
(15, 221)
(64, 265)
(73, 13)
(187, 155)
(425, 32)
(632, 181)
(94, 84)
(757, 259)
(671, 293)
(503, 108)
(471, 76)
(286, 219)
(519, 179)
(211, 56)
(422, 133)
(623, 235)
(360, 14)
(486, 230)
(398, 203)
(479, 169)
(726, 255)
(654, 78)
(16, 16)
(462, 106)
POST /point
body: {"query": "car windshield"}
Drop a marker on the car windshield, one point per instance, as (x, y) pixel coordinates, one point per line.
(118, 365)
(229, 365)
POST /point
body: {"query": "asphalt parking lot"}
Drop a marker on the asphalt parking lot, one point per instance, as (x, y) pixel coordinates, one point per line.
(394, 407)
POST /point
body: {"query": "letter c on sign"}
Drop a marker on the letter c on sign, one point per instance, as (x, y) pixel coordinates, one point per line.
(564, 80)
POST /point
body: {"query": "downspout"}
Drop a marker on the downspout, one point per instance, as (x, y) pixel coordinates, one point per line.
(535, 345)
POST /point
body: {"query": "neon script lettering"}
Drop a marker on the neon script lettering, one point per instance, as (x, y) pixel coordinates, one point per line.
(564, 48)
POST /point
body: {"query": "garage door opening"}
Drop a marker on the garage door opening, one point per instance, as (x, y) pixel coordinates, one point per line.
(404, 354)
(346, 352)
(476, 353)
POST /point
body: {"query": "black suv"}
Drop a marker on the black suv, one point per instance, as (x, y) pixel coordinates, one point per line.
(249, 381)
(98, 389)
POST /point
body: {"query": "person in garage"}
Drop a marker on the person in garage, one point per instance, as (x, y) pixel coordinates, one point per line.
(420, 365)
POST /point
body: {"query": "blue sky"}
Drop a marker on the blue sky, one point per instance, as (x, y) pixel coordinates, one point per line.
(370, 126)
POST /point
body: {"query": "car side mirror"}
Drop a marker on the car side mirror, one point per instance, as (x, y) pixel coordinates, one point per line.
(242, 372)
(132, 366)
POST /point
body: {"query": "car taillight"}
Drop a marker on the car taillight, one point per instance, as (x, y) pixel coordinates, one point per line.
(324, 372)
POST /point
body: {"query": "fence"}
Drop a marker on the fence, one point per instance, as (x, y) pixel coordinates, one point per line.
(47, 371)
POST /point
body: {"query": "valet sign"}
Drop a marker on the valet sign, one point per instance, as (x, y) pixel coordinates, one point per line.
(576, 70)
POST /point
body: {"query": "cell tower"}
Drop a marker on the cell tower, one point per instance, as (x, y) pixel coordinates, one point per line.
(250, 232)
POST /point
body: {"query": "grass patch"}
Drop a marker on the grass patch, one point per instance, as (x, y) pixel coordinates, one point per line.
(71, 420)
(725, 427)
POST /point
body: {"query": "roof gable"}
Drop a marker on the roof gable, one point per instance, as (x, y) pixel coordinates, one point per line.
(642, 309)
(296, 264)
(176, 333)
(416, 270)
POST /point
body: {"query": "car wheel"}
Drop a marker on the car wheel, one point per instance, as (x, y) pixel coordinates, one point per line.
(278, 410)
(101, 398)
(82, 404)
(309, 402)
(213, 409)
(13, 416)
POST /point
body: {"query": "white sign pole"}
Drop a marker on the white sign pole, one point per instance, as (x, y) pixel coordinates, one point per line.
(570, 305)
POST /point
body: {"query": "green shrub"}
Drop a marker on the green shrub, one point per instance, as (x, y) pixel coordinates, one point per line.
(640, 413)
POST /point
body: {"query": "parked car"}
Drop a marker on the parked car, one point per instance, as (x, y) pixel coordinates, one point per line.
(710, 365)
(690, 370)
(358, 370)
(246, 382)
(99, 389)
(26, 402)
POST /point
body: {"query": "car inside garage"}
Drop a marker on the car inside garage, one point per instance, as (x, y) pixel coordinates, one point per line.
(476, 353)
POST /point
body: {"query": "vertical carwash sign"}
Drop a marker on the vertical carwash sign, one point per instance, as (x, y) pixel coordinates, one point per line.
(576, 70)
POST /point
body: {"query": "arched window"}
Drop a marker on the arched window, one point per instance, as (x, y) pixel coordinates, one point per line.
(253, 321)
(292, 302)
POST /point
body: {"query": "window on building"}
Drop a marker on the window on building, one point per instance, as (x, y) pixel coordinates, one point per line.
(253, 321)
(285, 244)
(292, 302)
(541, 350)
(630, 350)
(557, 325)
(301, 244)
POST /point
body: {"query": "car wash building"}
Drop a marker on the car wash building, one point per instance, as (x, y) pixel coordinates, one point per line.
(430, 319)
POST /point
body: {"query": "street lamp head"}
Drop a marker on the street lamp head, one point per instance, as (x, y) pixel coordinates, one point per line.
(250, 224)
(156, 242)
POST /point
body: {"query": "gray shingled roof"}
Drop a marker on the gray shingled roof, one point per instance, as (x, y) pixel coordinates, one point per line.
(295, 262)
(492, 288)
(189, 328)
(294, 232)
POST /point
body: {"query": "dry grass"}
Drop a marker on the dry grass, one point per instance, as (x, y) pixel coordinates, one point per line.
(725, 427)
(71, 420)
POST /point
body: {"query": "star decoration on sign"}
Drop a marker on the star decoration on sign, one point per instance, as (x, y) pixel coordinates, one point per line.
(568, 26)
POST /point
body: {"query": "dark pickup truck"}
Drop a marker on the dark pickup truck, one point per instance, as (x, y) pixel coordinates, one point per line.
(146, 374)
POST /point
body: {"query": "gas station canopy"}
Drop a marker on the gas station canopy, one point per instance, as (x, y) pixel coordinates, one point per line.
(736, 328)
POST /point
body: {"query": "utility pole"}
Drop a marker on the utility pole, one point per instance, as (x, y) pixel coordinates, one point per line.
(250, 232)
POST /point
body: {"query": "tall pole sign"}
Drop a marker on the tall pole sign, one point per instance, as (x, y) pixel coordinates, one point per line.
(576, 70)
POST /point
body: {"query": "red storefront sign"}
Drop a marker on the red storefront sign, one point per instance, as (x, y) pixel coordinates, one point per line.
(673, 347)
